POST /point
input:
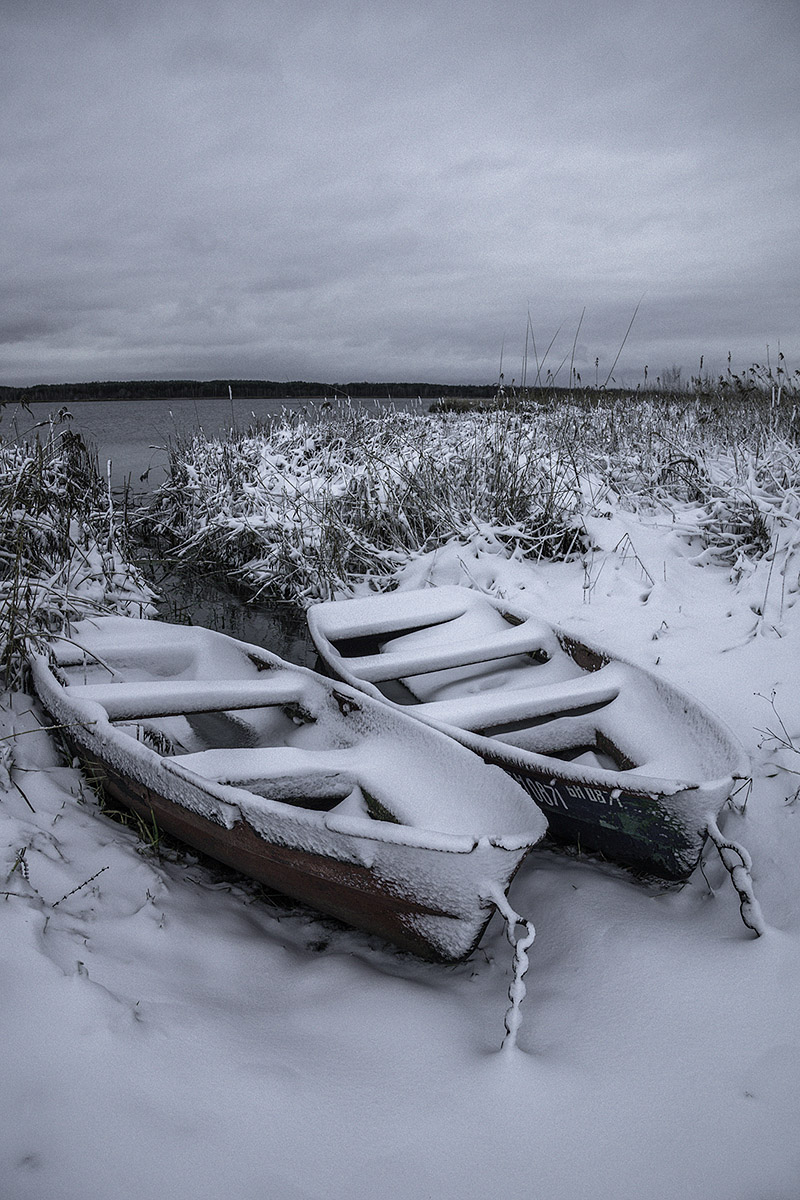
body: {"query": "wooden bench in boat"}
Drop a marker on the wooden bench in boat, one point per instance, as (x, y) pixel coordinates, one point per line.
(167, 698)
(480, 710)
(528, 638)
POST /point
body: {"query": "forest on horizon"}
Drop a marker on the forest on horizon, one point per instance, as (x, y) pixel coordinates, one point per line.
(250, 389)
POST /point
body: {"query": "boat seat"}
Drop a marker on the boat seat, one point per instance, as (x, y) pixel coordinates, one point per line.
(482, 710)
(527, 638)
(240, 766)
(165, 698)
(68, 653)
(362, 617)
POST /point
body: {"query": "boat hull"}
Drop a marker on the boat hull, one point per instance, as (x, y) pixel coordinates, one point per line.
(425, 886)
(345, 890)
(475, 686)
(633, 829)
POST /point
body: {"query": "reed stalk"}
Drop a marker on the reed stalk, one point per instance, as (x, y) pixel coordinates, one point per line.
(334, 498)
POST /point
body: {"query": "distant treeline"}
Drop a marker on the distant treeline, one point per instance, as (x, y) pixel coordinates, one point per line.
(250, 389)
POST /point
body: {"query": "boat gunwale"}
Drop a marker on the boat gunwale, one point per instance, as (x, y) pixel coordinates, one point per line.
(365, 828)
(374, 864)
(528, 760)
(630, 781)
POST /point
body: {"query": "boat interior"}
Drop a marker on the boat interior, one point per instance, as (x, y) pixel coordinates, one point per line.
(518, 681)
(195, 722)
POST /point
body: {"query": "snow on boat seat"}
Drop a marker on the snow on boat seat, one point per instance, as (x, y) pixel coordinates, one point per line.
(528, 638)
(639, 728)
(486, 709)
(358, 617)
(446, 635)
(110, 652)
(441, 647)
(155, 652)
(285, 774)
(159, 698)
(354, 780)
(236, 766)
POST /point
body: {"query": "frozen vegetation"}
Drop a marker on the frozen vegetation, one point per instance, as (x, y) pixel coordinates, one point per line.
(169, 1031)
(329, 501)
(61, 545)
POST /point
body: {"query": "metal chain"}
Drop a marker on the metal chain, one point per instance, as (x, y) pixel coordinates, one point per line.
(738, 864)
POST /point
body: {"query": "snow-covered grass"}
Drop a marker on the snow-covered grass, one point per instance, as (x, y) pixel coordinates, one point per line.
(339, 495)
(325, 502)
(168, 1032)
(60, 547)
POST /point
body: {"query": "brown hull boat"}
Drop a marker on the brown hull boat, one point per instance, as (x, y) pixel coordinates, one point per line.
(308, 787)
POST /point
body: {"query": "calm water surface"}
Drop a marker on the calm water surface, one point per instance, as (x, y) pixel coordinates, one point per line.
(188, 596)
(134, 434)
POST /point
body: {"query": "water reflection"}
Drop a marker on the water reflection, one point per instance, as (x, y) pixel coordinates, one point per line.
(134, 434)
(188, 597)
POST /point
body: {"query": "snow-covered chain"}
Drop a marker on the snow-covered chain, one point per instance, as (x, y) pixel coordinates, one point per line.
(517, 988)
(738, 864)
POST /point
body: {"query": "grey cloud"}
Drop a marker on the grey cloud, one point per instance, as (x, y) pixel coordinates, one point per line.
(24, 329)
(360, 190)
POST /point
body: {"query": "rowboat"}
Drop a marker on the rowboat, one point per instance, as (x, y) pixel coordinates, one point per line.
(623, 764)
(306, 786)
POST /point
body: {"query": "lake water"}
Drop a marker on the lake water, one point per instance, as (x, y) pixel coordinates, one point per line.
(191, 596)
(134, 434)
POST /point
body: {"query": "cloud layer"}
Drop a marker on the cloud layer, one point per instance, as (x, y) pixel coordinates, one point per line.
(349, 190)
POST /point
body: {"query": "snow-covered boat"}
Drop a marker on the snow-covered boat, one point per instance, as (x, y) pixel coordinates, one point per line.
(622, 763)
(307, 786)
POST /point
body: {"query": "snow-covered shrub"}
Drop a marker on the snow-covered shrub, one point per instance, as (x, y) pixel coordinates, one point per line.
(320, 502)
(60, 554)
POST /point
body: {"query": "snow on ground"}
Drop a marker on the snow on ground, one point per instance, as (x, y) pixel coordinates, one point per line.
(166, 1033)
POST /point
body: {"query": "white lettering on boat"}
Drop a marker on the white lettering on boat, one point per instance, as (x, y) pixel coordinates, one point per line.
(595, 795)
(542, 793)
(552, 795)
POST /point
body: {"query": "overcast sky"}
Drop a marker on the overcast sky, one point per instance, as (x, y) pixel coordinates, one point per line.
(343, 190)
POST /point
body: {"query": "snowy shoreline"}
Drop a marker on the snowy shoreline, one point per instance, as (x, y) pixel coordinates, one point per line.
(167, 1031)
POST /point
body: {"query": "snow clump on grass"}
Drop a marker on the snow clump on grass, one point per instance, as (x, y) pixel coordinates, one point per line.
(322, 501)
(60, 549)
(337, 498)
